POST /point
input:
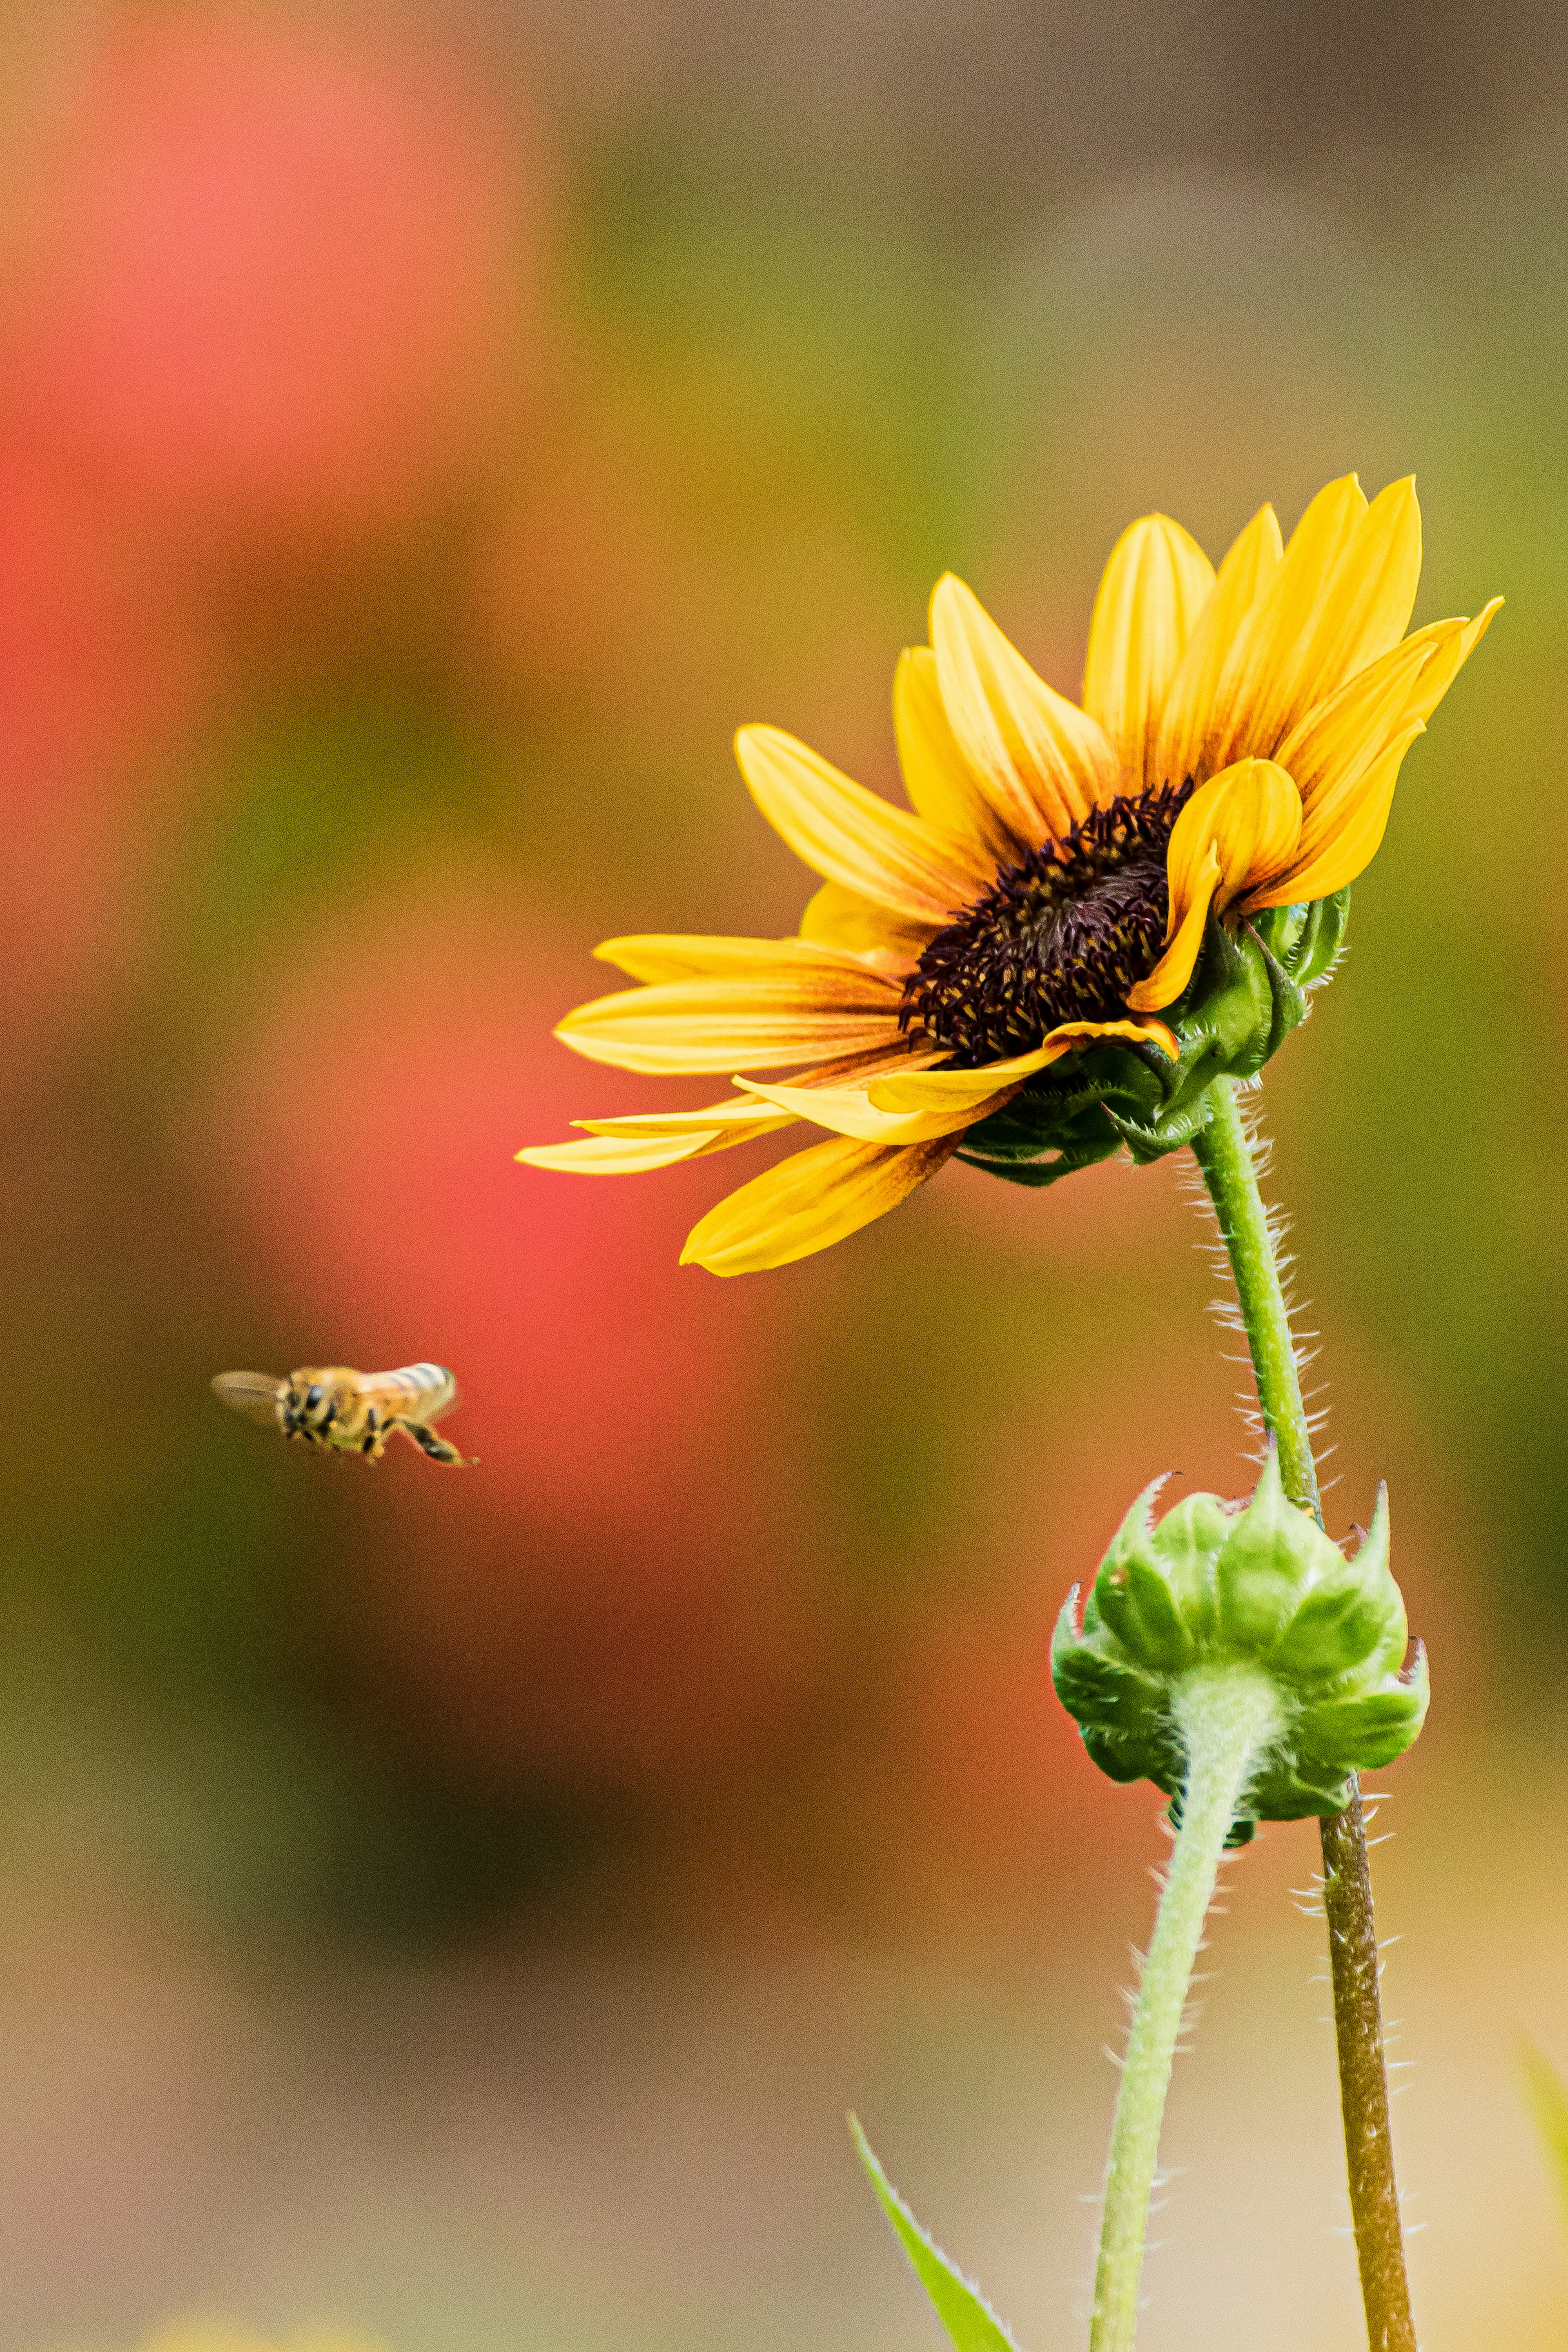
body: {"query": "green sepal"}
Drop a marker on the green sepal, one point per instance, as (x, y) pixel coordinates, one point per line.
(1362, 1733)
(1102, 1690)
(1072, 1114)
(1214, 1585)
(968, 2318)
(1135, 1593)
(1011, 1146)
(1355, 1609)
(1307, 938)
(1273, 1555)
(1151, 1140)
(1186, 1543)
(1290, 1001)
(1126, 1757)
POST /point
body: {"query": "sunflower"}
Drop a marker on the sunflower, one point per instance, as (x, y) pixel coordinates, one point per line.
(1052, 883)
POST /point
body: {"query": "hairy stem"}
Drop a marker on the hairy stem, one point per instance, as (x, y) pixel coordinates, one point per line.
(1223, 1152)
(1227, 1717)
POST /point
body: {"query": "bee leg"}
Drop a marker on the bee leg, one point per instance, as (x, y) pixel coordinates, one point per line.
(426, 1439)
(373, 1443)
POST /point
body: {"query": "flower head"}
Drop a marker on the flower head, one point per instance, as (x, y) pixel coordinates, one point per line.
(1086, 914)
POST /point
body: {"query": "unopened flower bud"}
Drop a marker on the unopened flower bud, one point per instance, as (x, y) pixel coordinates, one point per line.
(1261, 1588)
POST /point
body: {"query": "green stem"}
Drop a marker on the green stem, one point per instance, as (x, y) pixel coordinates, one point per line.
(1227, 1717)
(1225, 1154)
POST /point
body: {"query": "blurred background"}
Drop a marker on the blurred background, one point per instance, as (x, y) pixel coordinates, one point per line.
(458, 1911)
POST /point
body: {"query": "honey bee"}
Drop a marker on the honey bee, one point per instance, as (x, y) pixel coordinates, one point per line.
(352, 1412)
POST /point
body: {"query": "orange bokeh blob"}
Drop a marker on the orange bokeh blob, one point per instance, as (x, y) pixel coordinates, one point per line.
(278, 276)
(99, 681)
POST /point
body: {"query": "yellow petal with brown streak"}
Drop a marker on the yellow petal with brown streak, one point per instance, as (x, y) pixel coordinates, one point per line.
(659, 956)
(756, 1023)
(809, 1202)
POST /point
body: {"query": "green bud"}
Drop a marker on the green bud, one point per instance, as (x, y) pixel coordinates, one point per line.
(1261, 1588)
(1248, 992)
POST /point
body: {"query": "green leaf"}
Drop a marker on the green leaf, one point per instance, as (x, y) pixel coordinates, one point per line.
(1548, 2102)
(972, 2324)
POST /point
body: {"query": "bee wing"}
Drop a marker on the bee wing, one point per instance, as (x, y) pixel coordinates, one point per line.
(255, 1394)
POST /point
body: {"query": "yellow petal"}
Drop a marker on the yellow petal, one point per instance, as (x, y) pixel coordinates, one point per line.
(1323, 823)
(936, 1090)
(839, 917)
(1273, 632)
(1339, 739)
(1174, 968)
(937, 777)
(1447, 662)
(1340, 600)
(1327, 629)
(847, 835)
(1153, 589)
(1250, 816)
(1235, 834)
(755, 1024)
(656, 956)
(716, 1126)
(629, 1155)
(854, 1069)
(849, 1110)
(1346, 840)
(629, 1147)
(1042, 763)
(808, 1202)
(740, 1113)
(1242, 582)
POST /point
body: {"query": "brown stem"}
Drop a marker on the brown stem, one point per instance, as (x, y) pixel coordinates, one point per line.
(1223, 1152)
(1363, 2083)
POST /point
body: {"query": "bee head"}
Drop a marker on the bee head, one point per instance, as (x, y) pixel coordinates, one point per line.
(307, 1408)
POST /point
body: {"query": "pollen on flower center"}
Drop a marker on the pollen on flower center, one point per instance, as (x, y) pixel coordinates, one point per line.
(1062, 936)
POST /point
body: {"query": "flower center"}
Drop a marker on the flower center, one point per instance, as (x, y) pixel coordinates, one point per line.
(1062, 936)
